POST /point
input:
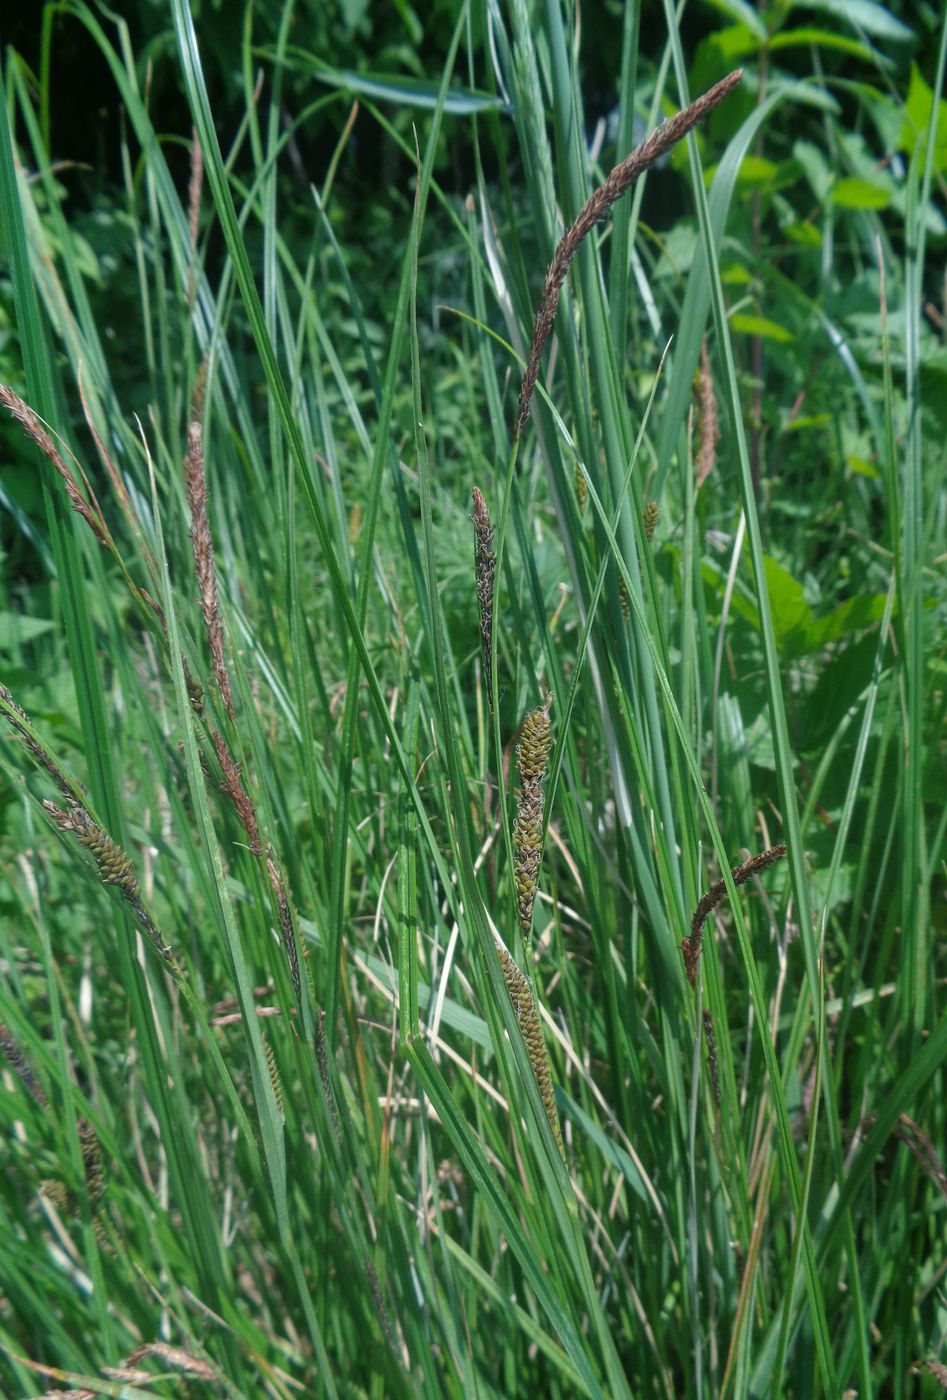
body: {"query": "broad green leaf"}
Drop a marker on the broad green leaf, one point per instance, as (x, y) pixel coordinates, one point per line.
(862, 468)
(762, 326)
(917, 119)
(790, 612)
(16, 628)
(803, 421)
(852, 616)
(825, 39)
(853, 193)
(755, 170)
(805, 234)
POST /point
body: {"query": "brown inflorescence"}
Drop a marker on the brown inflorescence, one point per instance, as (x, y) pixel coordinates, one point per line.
(232, 786)
(484, 573)
(527, 1017)
(596, 207)
(711, 1040)
(273, 1072)
(649, 519)
(532, 755)
(203, 550)
(709, 422)
(114, 866)
(287, 926)
(15, 1058)
(715, 895)
(35, 428)
(322, 1059)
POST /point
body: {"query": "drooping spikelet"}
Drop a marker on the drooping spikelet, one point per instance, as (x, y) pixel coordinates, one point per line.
(484, 572)
(532, 755)
(715, 895)
(595, 208)
(521, 995)
(649, 519)
(35, 428)
(114, 866)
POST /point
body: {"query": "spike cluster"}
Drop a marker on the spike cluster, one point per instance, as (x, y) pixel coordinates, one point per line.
(203, 549)
(581, 488)
(322, 1059)
(709, 422)
(711, 1040)
(287, 925)
(532, 756)
(527, 1016)
(35, 428)
(596, 207)
(484, 573)
(113, 864)
(17, 1063)
(649, 519)
(691, 945)
(273, 1072)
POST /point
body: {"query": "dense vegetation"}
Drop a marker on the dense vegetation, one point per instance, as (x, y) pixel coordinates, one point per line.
(483, 956)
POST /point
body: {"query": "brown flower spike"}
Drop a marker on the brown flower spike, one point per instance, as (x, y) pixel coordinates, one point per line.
(532, 755)
(717, 893)
(596, 207)
(114, 866)
(709, 422)
(521, 995)
(203, 547)
(35, 428)
(484, 572)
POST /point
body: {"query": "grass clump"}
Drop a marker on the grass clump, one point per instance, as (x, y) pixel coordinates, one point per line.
(291, 1048)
